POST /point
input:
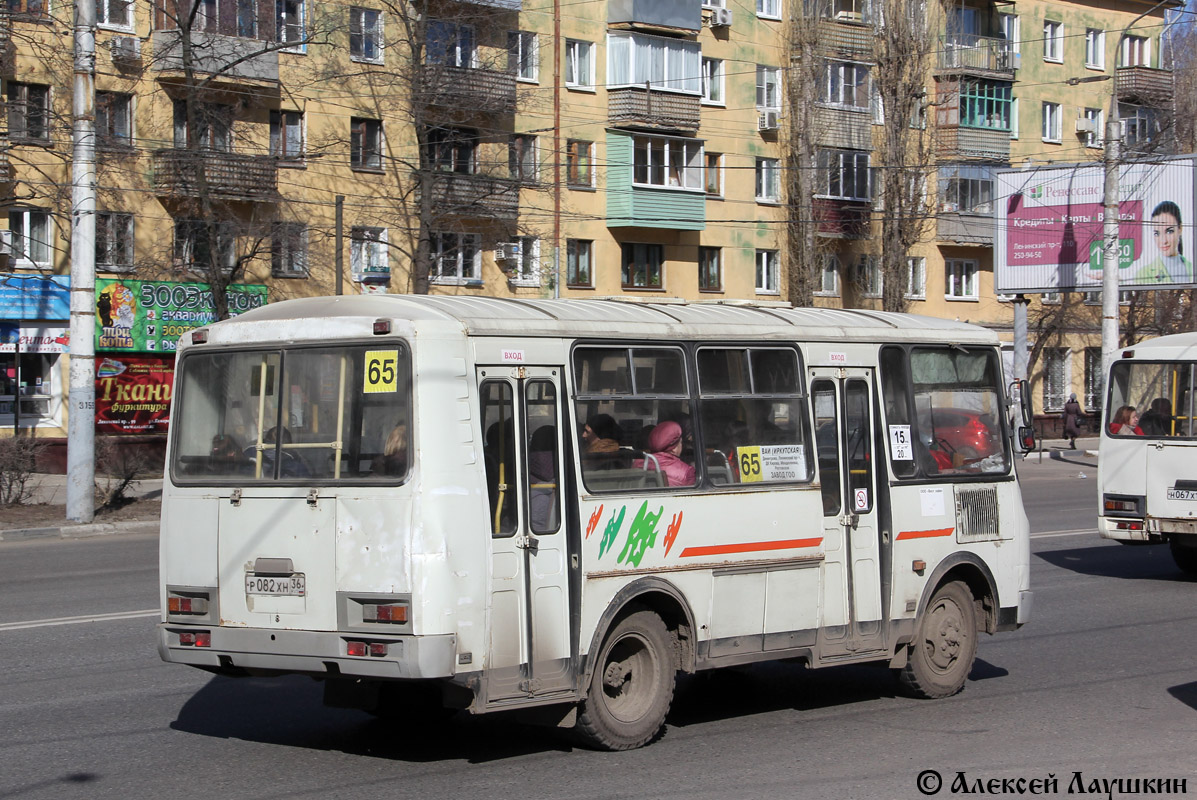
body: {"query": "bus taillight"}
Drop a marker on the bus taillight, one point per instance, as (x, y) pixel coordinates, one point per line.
(196, 639)
(394, 612)
(1123, 505)
(182, 604)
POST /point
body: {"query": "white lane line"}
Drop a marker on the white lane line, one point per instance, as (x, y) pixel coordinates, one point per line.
(1074, 532)
(46, 623)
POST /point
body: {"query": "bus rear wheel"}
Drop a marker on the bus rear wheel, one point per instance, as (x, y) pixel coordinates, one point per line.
(1185, 556)
(631, 687)
(944, 646)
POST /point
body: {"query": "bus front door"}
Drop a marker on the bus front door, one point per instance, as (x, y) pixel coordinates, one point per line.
(529, 654)
(851, 625)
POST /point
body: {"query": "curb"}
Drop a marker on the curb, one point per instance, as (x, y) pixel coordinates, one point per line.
(80, 531)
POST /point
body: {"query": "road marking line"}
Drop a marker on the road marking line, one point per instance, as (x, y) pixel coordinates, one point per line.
(1074, 532)
(46, 623)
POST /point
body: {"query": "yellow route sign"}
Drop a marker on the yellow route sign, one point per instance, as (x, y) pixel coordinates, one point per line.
(381, 372)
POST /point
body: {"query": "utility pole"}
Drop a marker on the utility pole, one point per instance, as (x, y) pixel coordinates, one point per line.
(81, 425)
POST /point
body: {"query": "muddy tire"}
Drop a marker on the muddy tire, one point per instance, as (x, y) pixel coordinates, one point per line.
(944, 646)
(631, 687)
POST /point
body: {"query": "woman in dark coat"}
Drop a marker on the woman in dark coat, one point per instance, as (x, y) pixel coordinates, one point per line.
(1072, 420)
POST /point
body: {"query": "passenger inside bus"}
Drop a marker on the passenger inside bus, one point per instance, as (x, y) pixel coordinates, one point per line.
(1126, 422)
(1158, 419)
(600, 434)
(393, 460)
(292, 465)
(226, 457)
(665, 443)
(542, 473)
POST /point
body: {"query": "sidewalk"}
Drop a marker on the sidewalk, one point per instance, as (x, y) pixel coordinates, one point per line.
(1058, 448)
(44, 516)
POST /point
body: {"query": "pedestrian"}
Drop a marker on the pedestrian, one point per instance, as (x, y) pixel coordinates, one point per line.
(1072, 420)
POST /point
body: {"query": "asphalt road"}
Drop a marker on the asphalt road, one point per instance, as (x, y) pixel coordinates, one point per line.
(1103, 682)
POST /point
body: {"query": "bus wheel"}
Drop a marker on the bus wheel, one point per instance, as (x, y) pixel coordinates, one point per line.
(1185, 556)
(632, 685)
(944, 646)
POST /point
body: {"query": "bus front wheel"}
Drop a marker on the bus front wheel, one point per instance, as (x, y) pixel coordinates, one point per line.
(631, 687)
(1185, 556)
(944, 646)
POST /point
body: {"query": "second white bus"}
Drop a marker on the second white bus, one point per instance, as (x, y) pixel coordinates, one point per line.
(503, 504)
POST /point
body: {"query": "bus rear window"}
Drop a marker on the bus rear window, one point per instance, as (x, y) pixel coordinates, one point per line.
(1160, 394)
(297, 415)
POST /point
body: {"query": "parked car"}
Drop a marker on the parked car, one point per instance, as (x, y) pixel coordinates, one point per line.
(972, 434)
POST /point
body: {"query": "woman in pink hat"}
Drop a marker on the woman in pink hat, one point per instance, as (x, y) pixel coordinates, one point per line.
(665, 443)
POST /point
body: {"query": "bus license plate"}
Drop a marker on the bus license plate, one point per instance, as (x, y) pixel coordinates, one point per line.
(1182, 494)
(276, 585)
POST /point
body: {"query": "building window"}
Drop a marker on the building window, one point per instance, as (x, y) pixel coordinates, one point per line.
(829, 277)
(526, 270)
(714, 173)
(868, 275)
(30, 235)
(114, 241)
(1095, 48)
(770, 9)
(1053, 41)
(450, 44)
(1097, 123)
(523, 55)
(28, 111)
(1139, 125)
(985, 104)
(111, 13)
(965, 189)
(213, 127)
(289, 21)
(710, 269)
(368, 253)
(456, 257)
(642, 266)
(635, 59)
(286, 135)
(1136, 52)
(1056, 379)
(843, 174)
(712, 81)
(1013, 117)
(579, 261)
(365, 34)
(768, 88)
(247, 19)
(667, 162)
(1051, 122)
(579, 64)
(1095, 380)
(451, 150)
(522, 158)
(365, 143)
(916, 278)
(845, 84)
(768, 278)
(289, 250)
(1011, 31)
(960, 279)
(579, 163)
(714, 3)
(201, 246)
(114, 119)
(768, 180)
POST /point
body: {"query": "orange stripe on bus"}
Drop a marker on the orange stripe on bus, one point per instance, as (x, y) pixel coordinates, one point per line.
(925, 534)
(750, 547)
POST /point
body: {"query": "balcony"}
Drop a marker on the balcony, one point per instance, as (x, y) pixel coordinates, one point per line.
(212, 54)
(984, 56)
(486, 91)
(684, 15)
(958, 143)
(1143, 85)
(844, 128)
(224, 176)
(960, 228)
(636, 107)
(852, 41)
(480, 196)
(5, 164)
(842, 219)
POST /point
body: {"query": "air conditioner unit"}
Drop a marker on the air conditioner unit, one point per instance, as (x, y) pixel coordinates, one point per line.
(1085, 125)
(5, 243)
(1016, 60)
(768, 121)
(125, 49)
(508, 251)
(721, 17)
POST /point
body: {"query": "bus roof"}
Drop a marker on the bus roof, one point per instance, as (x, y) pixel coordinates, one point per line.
(619, 317)
(1178, 346)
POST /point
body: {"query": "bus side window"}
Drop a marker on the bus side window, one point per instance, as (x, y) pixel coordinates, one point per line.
(498, 420)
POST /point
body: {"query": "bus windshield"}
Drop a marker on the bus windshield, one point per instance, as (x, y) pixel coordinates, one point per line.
(294, 415)
(1160, 394)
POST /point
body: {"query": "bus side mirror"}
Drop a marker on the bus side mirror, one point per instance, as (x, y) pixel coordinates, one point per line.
(1026, 439)
(1024, 399)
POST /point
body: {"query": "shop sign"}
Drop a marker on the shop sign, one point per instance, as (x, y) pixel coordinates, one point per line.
(34, 339)
(133, 393)
(35, 297)
(150, 316)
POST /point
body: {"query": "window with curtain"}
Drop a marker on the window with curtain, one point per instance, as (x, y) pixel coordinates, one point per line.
(671, 64)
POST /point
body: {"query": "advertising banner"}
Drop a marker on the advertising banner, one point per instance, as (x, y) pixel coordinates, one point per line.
(1050, 220)
(35, 297)
(133, 393)
(34, 339)
(150, 316)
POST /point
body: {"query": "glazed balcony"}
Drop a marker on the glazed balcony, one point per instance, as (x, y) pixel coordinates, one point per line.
(842, 219)
(640, 107)
(970, 54)
(468, 89)
(683, 15)
(1143, 85)
(479, 196)
(844, 128)
(226, 176)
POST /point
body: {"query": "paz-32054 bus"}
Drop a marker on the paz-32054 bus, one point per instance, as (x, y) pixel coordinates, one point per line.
(500, 504)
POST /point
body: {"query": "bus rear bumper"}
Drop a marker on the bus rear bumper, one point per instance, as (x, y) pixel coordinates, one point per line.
(318, 653)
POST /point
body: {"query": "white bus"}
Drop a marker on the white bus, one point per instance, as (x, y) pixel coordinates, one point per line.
(1148, 466)
(503, 504)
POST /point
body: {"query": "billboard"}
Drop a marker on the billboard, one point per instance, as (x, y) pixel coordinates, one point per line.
(150, 316)
(133, 393)
(1050, 219)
